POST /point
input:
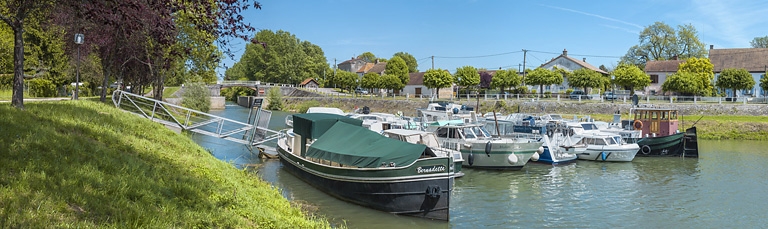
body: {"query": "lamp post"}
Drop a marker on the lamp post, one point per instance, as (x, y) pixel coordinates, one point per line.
(79, 39)
(613, 90)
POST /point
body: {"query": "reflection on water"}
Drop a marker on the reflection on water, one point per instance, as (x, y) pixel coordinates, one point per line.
(723, 188)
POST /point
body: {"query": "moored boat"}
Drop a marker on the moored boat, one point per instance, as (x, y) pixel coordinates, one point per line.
(598, 146)
(480, 150)
(338, 156)
(524, 126)
(661, 135)
(428, 139)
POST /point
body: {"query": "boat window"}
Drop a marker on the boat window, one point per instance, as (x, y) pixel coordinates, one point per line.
(655, 115)
(612, 140)
(468, 133)
(673, 115)
(481, 132)
(589, 126)
(599, 141)
(664, 115)
(619, 140)
(442, 132)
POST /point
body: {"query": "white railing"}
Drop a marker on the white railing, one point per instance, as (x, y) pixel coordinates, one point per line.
(198, 121)
(250, 83)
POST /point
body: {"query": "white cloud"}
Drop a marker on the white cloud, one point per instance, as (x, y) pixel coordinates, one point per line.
(597, 16)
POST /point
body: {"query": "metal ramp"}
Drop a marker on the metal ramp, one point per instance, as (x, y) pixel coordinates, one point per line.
(199, 122)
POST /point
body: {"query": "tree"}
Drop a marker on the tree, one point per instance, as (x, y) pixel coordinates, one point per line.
(18, 14)
(196, 96)
(759, 42)
(371, 80)
(437, 78)
(631, 77)
(397, 67)
(368, 57)
(6, 49)
(504, 79)
(682, 82)
(392, 82)
(466, 76)
(282, 58)
(543, 76)
(661, 42)
(586, 78)
(703, 70)
(413, 66)
(345, 80)
(275, 99)
(735, 79)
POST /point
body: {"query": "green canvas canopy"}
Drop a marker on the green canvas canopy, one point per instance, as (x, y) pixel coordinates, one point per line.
(357, 146)
(313, 125)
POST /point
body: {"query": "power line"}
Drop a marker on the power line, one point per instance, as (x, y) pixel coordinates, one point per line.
(481, 56)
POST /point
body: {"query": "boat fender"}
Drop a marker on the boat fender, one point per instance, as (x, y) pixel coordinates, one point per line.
(540, 150)
(550, 132)
(488, 148)
(645, 149)
(512, 159)
(455, 110)
(637, 124)
(603, 155)
(535, 157)
(471, 159)
(433, 191)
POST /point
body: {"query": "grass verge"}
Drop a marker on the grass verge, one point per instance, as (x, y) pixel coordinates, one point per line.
(85, 164)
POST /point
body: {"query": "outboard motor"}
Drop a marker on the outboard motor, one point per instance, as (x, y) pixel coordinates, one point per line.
(366, 110)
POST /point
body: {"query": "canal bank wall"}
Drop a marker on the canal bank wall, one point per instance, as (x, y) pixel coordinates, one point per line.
(408, 107)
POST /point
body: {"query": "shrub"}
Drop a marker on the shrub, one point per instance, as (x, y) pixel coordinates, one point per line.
(6, 81)
(39, 87)
(303, 107)
(520, 90)
(568, 92)
(233, 92)
(196, 96)
(275, 99)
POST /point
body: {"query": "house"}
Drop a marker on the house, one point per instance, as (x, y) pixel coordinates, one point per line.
(659, 70)
(754, 60)
(351, 65)
(415, 87)
(309, 83)
(568, 63)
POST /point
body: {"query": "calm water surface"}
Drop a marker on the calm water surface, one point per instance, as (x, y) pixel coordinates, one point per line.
(725, 187)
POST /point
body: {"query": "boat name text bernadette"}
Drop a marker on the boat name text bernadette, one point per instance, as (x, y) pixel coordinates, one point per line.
(431, 169)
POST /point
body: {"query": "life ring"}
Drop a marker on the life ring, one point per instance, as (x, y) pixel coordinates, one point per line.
(645, 150)
(637, 124)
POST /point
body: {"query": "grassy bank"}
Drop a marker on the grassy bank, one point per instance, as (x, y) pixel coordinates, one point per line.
(85, 164)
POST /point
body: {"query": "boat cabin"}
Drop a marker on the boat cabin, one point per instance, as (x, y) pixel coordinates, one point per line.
(655, 122)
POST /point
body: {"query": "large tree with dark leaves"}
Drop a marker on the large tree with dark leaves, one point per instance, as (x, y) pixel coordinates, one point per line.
(137, 39)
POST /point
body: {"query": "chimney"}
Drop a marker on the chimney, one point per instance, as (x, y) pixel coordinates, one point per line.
(377, 61)
(584, 60)
(674, 57)
(711, 46)
(565, 52)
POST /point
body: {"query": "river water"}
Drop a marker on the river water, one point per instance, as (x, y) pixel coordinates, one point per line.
(724, 188)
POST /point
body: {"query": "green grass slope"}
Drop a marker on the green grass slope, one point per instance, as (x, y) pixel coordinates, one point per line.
(86, 164)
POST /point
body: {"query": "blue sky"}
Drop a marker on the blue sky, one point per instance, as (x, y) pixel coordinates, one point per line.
(492, 34)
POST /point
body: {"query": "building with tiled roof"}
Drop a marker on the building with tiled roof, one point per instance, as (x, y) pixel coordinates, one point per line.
(659, 70)
(309, 83)
(754, 60)
(416, 88)
(351, 65)
(568, 63)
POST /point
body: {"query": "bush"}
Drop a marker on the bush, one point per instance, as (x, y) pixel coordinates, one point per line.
(568, 92)
(196, 96)
(39, 87)
(548, 94)
(520, 90)
(275, 99)
(6, 81)
(303, 107)
(233, 92)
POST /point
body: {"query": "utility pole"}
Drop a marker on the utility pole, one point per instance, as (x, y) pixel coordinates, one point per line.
(433, 62)
(525, 53)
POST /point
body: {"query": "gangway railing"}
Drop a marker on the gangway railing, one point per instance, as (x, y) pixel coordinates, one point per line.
(200, 122)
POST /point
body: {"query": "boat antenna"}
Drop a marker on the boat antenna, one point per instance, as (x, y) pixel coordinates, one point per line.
(697, 121)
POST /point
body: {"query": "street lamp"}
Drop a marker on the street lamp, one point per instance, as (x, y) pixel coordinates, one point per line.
(79, 39)
(613, 90)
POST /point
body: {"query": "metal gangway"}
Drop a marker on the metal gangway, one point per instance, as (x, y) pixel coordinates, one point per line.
(200, 122)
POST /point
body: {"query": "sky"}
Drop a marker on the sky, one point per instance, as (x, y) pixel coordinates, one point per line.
(493, 34)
